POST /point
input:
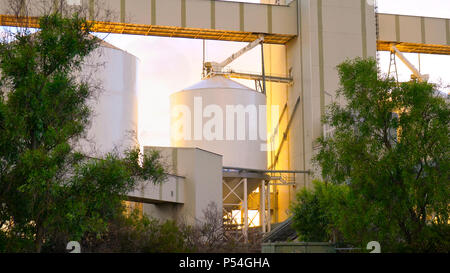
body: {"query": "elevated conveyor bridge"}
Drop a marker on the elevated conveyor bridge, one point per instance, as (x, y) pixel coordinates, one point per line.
(234, 21)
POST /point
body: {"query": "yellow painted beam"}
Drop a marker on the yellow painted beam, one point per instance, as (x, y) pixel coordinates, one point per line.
(414, 48)
(414, 34)
(213, 34)
(156, 30)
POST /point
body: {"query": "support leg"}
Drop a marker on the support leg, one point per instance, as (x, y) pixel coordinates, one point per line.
(262, 206)
(268, 206)
(245, 201)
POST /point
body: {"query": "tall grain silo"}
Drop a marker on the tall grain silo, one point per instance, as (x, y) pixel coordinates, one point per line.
(216, 99)
(114, 118)
(221, 116)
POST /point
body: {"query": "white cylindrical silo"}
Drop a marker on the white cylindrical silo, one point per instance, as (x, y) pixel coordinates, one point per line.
(221, 116)
(114, 118)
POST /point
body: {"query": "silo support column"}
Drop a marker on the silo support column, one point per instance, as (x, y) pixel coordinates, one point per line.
(262, 207)
(268, 206)
(245, 201)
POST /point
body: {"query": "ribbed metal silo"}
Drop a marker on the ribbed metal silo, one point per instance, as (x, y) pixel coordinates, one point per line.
(115, 109)
(218, 99)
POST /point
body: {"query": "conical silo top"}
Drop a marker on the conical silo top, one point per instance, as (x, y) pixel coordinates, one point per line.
(217, 82)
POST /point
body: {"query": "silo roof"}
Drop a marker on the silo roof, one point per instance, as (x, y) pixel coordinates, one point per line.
(217, 82)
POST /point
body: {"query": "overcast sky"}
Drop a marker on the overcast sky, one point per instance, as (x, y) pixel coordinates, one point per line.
(168, 65)
(430, 8)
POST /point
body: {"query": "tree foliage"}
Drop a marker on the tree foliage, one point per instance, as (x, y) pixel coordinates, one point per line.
(134, 233)
(48, 189)
(390, 149)
(313, 212)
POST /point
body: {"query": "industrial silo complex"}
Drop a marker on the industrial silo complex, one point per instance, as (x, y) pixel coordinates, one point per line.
(249, 151)
(114, 106)
(225, 118)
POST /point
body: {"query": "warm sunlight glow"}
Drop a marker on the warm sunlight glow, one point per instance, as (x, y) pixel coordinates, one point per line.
(167, 65)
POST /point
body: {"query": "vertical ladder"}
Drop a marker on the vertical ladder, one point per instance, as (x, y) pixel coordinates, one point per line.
(393, 62)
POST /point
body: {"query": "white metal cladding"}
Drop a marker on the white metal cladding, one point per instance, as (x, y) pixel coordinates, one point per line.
(222, 92)
(414, 29)
(182, 15)
(170, 191)
(115, 109)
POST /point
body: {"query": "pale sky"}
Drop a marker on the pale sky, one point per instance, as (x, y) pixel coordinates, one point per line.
(169, 65)
(437, 66)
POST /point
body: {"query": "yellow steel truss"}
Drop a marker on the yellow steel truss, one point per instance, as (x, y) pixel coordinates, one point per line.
(414, 48)
(157, 30)
(212, 34)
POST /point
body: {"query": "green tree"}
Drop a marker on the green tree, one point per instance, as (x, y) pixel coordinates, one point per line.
(47, 189)
(310, 218)
(390, 148)
(315, 211)
(133, 233)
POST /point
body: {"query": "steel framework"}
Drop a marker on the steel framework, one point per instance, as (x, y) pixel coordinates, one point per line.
(238, 183)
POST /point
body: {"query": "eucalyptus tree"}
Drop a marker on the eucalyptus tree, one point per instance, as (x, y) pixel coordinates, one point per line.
(47, 188)
(389, 155)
